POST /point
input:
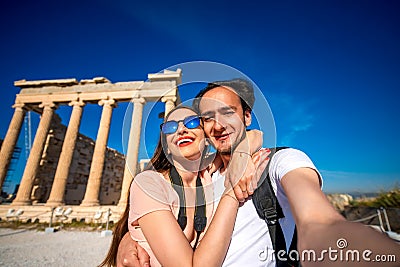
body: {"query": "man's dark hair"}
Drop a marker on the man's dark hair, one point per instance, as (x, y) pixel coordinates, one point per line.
(243, 88)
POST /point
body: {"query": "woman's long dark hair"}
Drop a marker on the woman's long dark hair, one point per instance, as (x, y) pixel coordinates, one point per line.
(159, 162)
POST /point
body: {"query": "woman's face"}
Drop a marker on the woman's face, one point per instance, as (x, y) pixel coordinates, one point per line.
(185, 142)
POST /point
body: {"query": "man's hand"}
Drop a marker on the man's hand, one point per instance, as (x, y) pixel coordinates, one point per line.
(245, 171)
(131, 254)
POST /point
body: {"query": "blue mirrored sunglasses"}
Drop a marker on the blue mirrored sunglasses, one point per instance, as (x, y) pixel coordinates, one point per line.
(190, 122)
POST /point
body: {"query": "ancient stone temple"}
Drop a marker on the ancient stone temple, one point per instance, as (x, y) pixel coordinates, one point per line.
(64, 166)
(113, 171)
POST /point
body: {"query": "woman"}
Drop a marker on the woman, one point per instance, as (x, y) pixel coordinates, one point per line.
(167, 222)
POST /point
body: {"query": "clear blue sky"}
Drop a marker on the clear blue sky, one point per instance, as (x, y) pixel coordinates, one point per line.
(329, 69)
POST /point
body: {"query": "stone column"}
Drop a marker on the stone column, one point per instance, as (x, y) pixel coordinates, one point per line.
(132, 154)
(10, 140)
(25, 189)
(169, 103)
(96, 169)
(56, 197)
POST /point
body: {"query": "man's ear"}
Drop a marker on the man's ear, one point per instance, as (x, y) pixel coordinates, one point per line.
(247, 117)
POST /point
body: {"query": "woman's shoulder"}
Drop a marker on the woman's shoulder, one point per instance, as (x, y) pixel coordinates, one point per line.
(150, 192)
(151, 180)
(149, 174)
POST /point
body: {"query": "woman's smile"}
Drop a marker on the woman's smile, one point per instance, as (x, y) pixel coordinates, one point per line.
(185, 141)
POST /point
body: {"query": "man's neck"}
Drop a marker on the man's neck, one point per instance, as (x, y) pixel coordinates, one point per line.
(226, 157)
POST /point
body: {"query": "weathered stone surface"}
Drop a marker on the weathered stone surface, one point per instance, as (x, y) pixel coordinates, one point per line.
(42, 83)
(80, 167)
(339, 201)
(34, 159)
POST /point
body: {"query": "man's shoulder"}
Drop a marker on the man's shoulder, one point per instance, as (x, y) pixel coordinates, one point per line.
(288, 159)
(288, 152)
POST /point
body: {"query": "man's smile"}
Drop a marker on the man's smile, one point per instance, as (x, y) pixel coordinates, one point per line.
(222, 137)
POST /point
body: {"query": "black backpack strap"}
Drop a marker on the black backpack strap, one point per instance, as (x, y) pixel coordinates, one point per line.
(177, 184)
(200, 219)
(264, 198)
(270, 211)
(293, 247)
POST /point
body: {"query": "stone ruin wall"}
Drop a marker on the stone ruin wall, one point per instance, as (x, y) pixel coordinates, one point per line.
(111, 182)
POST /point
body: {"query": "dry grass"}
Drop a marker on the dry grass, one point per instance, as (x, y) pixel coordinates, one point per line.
(389, 199)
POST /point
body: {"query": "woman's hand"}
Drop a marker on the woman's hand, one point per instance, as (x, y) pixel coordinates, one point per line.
(131, 254)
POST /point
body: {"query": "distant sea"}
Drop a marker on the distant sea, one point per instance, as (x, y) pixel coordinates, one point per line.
(357, 194)
(362, 195)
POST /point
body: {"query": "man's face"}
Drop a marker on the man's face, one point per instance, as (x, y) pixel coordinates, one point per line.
(224, 120)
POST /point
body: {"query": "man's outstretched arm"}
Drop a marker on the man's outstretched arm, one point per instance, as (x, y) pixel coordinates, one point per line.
(321, 229)
(131, 254)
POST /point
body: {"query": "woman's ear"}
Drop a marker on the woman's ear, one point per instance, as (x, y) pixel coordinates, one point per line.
(206, 142)
(207, 146)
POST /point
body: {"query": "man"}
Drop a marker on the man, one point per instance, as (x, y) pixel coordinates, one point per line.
(226, 110)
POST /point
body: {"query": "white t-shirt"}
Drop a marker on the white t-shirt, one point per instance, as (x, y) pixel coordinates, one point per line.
(251, 244)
